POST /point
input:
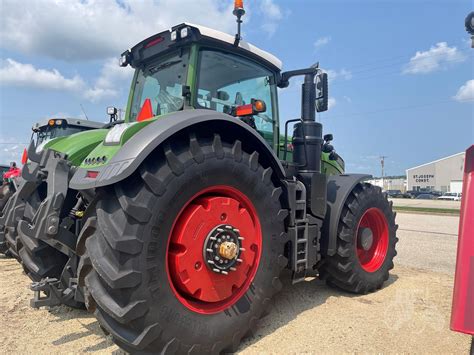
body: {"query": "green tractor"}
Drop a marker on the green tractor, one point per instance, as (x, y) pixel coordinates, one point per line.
(43, 133)
(192, 207)
(26, 193)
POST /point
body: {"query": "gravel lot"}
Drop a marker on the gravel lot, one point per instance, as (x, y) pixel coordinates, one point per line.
(410, 315)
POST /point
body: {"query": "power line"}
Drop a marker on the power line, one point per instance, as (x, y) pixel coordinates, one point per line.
(15, 143)
(380, 74)
(399, 58)
(399, 108)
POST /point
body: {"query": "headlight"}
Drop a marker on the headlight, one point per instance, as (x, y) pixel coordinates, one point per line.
(173, 36)
(40, 147)
(115, 134)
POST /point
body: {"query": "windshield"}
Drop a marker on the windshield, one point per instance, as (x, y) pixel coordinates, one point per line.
(47, 133)
(161, 81)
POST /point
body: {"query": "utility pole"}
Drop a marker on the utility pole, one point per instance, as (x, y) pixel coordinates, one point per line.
(382, 163)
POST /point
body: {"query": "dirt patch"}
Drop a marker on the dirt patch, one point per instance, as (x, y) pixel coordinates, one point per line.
(410, 315)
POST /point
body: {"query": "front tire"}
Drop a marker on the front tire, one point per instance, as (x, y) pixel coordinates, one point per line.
(366, 240)
(147, 260)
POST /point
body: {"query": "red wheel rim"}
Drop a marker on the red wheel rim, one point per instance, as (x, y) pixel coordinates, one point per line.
(371, 251)
(192, 277)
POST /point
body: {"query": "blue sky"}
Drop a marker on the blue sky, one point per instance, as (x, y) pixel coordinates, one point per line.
(401, 72)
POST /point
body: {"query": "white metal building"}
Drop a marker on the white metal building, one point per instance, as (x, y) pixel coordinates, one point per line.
(440, 175)
(390, 183)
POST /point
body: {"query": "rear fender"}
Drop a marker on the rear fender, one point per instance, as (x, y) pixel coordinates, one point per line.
(338, 189)
(140, 146)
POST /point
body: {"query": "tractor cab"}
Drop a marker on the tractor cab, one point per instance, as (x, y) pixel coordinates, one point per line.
(195, 67)
(52, 128)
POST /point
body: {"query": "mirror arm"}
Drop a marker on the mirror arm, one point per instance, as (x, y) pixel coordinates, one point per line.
(285, 76)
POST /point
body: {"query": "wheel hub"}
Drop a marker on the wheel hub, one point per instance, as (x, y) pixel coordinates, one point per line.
(366, 238)
(222, 249)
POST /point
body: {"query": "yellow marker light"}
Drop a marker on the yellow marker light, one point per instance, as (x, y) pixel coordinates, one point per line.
(51, 122)
(260, 106)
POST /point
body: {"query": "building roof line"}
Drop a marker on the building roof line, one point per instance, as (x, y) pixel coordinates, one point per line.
(435, 161)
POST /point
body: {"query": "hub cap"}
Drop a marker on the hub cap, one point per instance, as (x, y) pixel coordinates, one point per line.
(214, 249)
(372, 239)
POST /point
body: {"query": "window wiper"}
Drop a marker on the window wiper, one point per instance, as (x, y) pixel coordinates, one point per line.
(156, 69)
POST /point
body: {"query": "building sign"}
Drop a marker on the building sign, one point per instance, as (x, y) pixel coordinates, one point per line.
(425, 178)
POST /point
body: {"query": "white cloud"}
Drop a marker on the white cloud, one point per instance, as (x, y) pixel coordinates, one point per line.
(10, 150)
(271, 14)
(343, 74)
(437, 57)
(111, 80)
(76, 30)
(331, 103)
(320, 42)
(465, 92)
(13, 73)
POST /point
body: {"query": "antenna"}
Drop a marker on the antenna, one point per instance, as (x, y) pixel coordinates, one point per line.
(84, 111)
(238, 12)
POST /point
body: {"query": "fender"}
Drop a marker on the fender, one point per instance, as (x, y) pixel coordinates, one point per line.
(338, 189)
(138, 147)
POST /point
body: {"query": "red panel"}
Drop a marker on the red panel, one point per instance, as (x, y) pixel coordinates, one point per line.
(244, 110)
(91, 174)
(24, 157)
(154, 42)
(462, 316)
(12, 173)
(146, 112)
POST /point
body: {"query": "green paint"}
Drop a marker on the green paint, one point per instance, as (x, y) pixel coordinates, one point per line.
(191, 79)
(330, 167)
(130, 97)
(109, 150)
(77, 146)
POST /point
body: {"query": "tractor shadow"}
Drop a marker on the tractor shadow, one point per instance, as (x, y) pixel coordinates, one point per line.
(88, 326)
(293, 300)
(286, 307)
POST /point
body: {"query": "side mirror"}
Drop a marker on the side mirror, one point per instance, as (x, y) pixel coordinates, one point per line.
(322, 95)
(328, 137)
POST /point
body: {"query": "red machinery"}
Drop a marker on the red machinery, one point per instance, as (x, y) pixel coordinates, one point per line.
(462, 316)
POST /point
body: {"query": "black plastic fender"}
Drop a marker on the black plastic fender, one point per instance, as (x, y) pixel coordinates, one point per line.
(138, 147)
(338, 189)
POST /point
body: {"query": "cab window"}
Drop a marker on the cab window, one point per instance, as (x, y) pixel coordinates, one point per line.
(161, 81)
(226, 81)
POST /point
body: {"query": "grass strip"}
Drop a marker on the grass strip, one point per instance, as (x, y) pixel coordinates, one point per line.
(450, 211)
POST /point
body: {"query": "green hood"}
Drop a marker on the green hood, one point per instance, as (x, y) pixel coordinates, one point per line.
(77, 146)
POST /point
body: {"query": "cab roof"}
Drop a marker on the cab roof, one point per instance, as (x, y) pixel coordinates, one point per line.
(69, 122)
(225, 37)
(163, 41)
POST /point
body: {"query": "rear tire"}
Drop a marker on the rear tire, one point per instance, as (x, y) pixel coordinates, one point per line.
(6, 192)
(366, 240)
(126, 267)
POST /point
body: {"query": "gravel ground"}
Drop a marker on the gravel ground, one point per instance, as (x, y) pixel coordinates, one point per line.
(409, 315)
